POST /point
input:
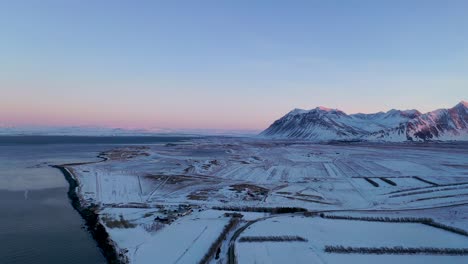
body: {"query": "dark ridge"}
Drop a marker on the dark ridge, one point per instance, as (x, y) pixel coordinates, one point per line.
(426, 181)
(371, 182)
(388, 181)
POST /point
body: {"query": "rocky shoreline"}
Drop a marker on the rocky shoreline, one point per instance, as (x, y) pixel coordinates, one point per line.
(91, 217)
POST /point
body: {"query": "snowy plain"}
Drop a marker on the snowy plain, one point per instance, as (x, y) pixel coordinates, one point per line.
(173, 202)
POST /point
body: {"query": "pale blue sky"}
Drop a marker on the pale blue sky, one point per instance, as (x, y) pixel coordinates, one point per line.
(225, 64)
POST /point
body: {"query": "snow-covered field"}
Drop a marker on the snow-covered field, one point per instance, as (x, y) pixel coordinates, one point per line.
(320, 232)
(185, 240)
(157, 201)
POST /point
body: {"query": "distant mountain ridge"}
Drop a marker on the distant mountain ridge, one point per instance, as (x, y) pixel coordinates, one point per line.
(325, 124)
(109, 131)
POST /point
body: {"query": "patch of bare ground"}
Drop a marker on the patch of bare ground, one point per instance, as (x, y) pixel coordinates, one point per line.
(253, 192)
(170, 179)
(117, 223)
(210, 164)
(258, 190)
(153, 227)
(200, 195)
(126, 153)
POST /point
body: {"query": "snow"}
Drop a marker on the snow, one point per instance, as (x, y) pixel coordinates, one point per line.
(407, 167)
(193, 239)
(325, 124)
(296, 111)
(320, 232)
(184, 241)
(185, 182)
(334, 173)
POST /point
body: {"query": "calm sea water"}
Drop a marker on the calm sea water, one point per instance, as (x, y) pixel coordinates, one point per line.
(37, 222)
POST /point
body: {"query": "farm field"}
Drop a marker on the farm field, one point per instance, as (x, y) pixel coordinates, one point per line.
(319, 232)
(196, 201)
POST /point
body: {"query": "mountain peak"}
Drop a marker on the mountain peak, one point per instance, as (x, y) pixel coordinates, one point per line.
(461, 106)
(326, 109)
(297, 111)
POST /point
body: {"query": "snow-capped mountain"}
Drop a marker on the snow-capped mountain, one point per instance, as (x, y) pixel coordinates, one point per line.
(325, 124)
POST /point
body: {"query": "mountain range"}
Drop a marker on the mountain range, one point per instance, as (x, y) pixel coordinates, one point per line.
(325, 124)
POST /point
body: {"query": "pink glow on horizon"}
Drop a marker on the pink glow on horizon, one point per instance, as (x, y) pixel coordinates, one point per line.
(49, 116)
(191, 109)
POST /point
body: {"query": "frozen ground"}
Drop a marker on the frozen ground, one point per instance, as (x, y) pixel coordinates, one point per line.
(320, 232)
(169, 202)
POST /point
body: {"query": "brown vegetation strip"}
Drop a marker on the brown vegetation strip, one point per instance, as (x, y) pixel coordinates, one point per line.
(424, 221)
(447, 228)
(429, 187)
(117, 223)
(217, 243)
(440, 197)
(396, 250)
(378, 219)
(273, 210)
(428, 191)
(272, 239)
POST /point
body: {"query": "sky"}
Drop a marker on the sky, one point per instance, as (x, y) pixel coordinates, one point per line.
(233, 65)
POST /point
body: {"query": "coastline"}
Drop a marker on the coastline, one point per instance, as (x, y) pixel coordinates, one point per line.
(91, 217)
